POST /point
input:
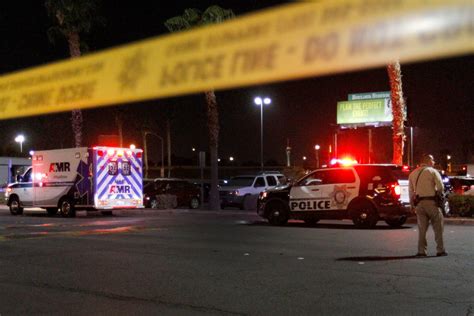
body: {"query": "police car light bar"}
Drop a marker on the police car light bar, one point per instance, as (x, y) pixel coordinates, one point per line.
(346, 162)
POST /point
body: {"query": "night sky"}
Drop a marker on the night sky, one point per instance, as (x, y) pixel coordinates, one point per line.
(439, 95)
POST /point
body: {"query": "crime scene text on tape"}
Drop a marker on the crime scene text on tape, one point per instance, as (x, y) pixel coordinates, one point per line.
(298, 40)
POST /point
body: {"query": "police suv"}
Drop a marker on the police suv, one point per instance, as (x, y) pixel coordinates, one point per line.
(363, 193)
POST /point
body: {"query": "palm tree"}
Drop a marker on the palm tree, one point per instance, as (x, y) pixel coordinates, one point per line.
(398, 111)
(71, 18)
(192, 18)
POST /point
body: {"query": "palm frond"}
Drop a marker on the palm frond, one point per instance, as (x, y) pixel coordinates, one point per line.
(193, 16)
(178, 23)
(216, 14)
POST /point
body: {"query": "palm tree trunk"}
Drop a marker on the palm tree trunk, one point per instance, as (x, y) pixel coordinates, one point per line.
(213, 128)
(76, 118)
(398, 106)
(168, 143)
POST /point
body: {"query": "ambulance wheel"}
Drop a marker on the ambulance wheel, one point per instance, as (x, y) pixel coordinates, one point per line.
(396, 222)
(15, 208)
(194, 203)
(364, 216)
(67, 208)
(277, 213)
(52, 211)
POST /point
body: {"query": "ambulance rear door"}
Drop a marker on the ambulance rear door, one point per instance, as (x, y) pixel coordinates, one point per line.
(118, 180)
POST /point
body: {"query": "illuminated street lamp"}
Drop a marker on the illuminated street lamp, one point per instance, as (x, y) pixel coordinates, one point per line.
(261, 102)
(20, 139)
(316, 148)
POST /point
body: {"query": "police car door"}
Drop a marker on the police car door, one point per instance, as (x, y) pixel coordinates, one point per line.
(306, 194)
(339, 187)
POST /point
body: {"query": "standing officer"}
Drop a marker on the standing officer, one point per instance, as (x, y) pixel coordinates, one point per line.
(424, 184)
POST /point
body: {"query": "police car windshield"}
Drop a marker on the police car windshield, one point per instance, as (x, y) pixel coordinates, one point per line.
(240, 181)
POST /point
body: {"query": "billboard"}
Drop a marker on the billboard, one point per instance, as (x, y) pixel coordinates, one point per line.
(369, 95)
(364, 112)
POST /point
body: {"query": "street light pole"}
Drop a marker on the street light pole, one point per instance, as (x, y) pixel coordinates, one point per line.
(20, 139)
(317, 147)
(145, 151)
(260, 101)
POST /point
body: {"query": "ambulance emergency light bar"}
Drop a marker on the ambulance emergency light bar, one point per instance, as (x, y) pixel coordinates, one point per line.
(111, 151)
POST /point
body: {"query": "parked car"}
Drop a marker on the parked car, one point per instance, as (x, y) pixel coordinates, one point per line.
(240, 188)
(461, 184)
(171, 192)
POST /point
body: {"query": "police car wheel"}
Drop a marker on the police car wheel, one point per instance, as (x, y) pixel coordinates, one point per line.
(396, 222)
(364, 216)
(67, 208)
(15, 208)
(277, 213)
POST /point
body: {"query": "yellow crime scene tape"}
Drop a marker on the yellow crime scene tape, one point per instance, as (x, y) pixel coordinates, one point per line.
(298, 40)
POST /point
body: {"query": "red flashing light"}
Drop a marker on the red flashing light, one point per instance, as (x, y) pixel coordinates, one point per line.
(100, 153)
(345, 162)
(139, 154)
(405, 168)
(396, 190)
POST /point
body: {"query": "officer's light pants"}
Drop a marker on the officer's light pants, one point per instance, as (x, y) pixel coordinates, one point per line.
(426, 212)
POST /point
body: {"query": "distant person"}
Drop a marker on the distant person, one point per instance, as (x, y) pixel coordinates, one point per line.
(424, 185)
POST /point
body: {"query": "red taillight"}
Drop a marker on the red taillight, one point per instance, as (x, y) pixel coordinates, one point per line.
(100, 153)
(396, 190)
(139, 154)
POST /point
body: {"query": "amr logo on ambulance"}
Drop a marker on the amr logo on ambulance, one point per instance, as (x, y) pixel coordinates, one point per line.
(60, 167)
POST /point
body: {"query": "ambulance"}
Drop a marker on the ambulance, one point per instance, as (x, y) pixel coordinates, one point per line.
(66, 180)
